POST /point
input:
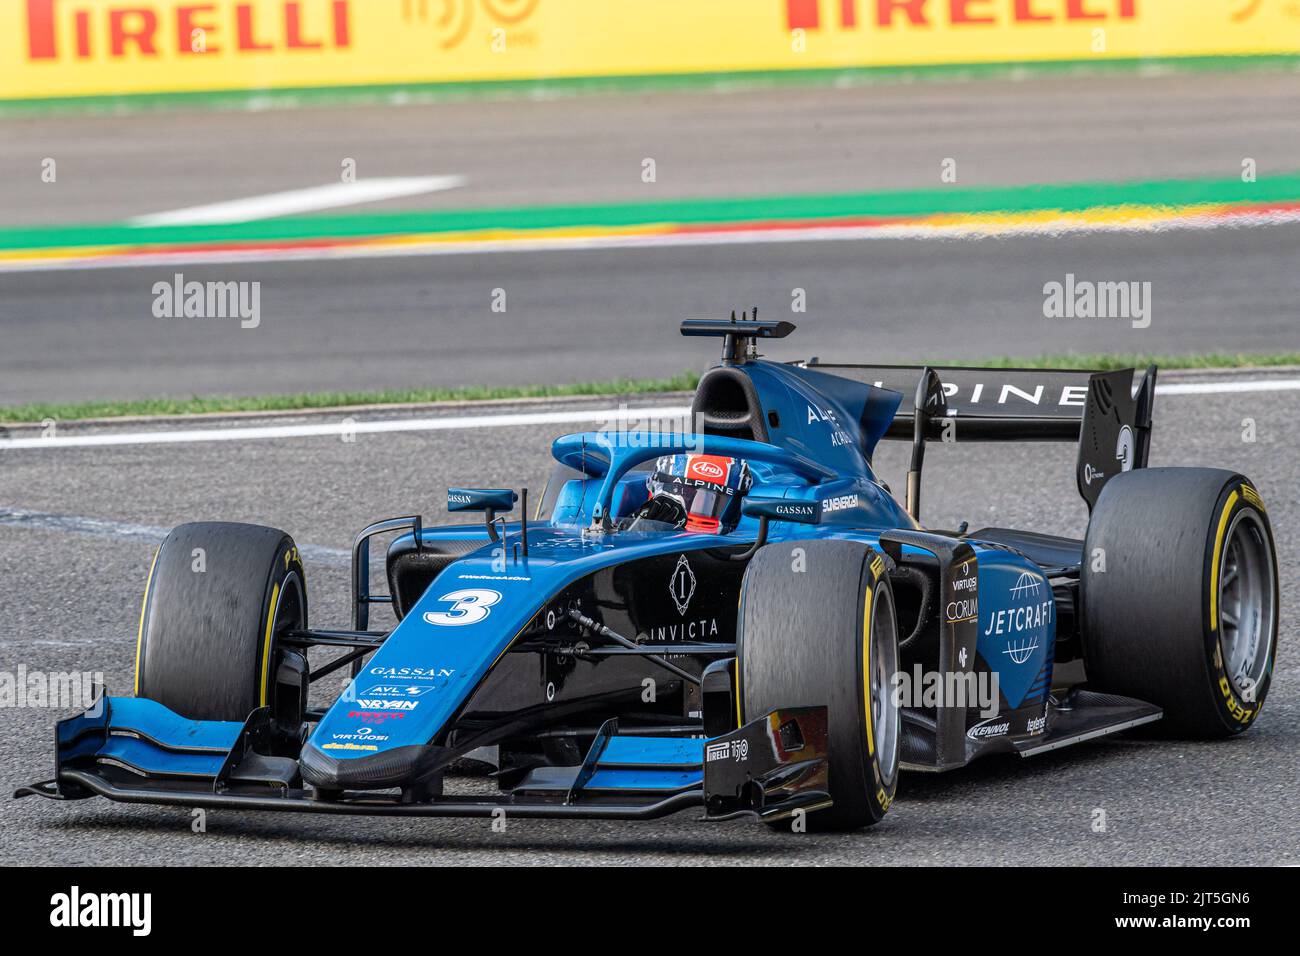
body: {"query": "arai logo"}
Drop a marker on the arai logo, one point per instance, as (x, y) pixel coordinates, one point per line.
(708, 470)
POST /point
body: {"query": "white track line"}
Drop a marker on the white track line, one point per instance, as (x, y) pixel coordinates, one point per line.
(98, 527)
(301, 200)
(1219, 388)
(346, 426)
(514, 420)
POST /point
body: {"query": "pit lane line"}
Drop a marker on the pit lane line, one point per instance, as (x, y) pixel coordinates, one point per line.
(348, 426)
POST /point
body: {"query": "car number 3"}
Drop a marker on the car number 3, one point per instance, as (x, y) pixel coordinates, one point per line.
(468, 606)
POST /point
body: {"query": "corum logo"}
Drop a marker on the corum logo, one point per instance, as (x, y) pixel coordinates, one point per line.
(455, 18)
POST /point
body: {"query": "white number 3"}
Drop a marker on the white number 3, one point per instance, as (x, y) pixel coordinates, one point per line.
(467, 607)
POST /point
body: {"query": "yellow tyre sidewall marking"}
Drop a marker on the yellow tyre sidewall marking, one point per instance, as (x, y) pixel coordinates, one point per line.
(866, 668)
(266, 642)
(144, 607)
(1214, 561)
(1236, 710)
(883, 799)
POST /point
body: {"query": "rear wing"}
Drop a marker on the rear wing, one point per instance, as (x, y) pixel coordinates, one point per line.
(1104, 412)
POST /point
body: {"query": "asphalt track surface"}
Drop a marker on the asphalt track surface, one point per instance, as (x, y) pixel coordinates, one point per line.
(599, 314)
(71, 595)
(590, 148)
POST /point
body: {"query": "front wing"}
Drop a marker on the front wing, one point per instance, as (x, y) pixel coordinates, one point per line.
(137, 751)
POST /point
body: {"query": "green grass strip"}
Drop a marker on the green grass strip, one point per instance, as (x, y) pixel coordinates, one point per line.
(551, 87)
(72, 411)
(1066, 197)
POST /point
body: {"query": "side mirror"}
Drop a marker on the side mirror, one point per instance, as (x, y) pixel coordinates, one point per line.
(490, 501)
(783, 509)
(481, 499)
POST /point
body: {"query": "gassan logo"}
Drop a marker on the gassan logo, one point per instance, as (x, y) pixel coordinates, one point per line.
(412, 673)
(797, 511)
(71, 30)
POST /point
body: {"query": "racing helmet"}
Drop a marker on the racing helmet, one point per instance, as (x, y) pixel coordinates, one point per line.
(697, 492)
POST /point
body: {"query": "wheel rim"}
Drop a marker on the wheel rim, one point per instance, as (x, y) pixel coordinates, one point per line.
(289, 613)
(1247, 603)
(884, 664)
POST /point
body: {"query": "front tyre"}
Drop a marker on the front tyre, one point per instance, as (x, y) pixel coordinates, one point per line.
(1179, 594)
(818, 628)
(218, 597)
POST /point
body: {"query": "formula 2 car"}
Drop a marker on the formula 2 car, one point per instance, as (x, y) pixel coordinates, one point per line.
(737, 617)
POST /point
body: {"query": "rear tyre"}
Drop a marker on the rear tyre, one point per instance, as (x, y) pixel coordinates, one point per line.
(1179, 595)
(217, 599)
(818, 627)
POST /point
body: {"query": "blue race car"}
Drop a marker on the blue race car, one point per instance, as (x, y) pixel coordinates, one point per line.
(738, 617)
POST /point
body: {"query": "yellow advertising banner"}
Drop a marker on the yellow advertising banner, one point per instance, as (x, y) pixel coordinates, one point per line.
(52, 48)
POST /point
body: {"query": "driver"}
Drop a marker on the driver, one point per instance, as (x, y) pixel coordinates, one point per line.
(696, 492)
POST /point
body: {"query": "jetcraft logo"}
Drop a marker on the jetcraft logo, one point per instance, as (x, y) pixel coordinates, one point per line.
(67, 29)
(854, 14)
(75, 909)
